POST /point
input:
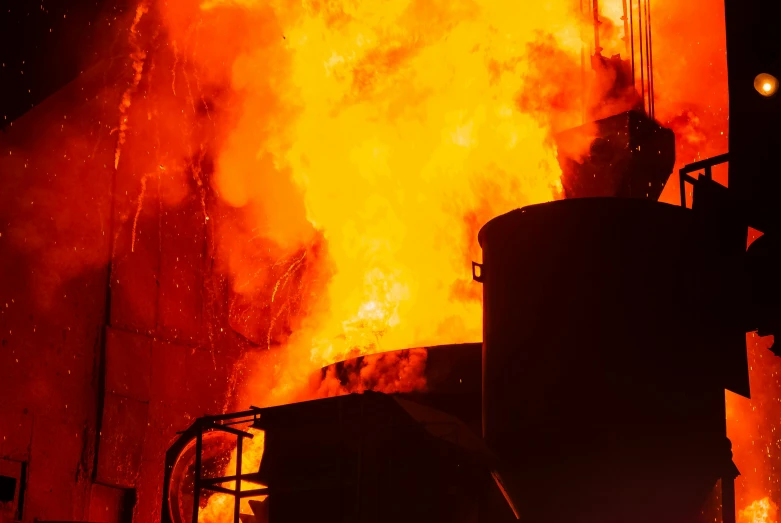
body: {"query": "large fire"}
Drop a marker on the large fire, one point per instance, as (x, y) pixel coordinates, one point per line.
(361, 145)
(350, 151)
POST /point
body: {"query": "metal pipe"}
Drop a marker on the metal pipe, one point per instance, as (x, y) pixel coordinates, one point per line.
(632, 40)
(728, 500)
(22, 490)
(582, 71)
(728, 480)
(237, 499)
(650, 60)
(696, 166)
(247, 478)
(597, 48)
(254, 492)
(197, 479)
(221, 490)
(230, 430)
(219, 417)
(626, 27)
(640, 39)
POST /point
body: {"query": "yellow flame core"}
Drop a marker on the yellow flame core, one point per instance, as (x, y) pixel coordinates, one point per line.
(393, 126)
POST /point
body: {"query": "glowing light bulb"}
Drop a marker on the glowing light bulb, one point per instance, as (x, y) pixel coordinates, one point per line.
(766, 84)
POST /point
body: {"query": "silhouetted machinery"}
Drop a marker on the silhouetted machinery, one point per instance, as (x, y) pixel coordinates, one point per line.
(612, 324)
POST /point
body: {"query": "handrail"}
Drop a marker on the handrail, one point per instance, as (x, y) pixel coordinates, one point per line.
(706, 165)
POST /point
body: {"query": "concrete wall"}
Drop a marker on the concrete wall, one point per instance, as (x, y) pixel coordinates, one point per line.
(95, 379)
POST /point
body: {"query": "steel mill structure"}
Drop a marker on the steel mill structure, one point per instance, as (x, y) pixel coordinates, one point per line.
(612, 323)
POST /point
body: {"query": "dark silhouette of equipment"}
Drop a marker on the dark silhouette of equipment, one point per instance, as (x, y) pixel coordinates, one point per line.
(628, 155)
(359, 457)
(605, 360)
(619, 150)
(754, 51)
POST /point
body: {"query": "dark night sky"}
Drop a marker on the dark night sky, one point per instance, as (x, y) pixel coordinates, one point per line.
(45, 44)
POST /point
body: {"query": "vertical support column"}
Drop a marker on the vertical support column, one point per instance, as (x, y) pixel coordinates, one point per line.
(197, 478)
(237, 498)
(22, 488)
(642, 55)
(597, 23)
(651, 101)
(582, 72)
(632, 39)
(728, 499)
(728, 485)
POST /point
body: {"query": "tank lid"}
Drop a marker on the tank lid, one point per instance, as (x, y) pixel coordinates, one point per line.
(573, 206)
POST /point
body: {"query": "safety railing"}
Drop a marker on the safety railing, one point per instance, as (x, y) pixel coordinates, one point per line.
(706, 165)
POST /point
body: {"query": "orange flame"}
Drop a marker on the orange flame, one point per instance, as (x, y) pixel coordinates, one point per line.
(760, 511)
(388, 134)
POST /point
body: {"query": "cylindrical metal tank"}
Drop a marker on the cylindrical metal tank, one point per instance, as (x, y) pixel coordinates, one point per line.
(603, 371)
